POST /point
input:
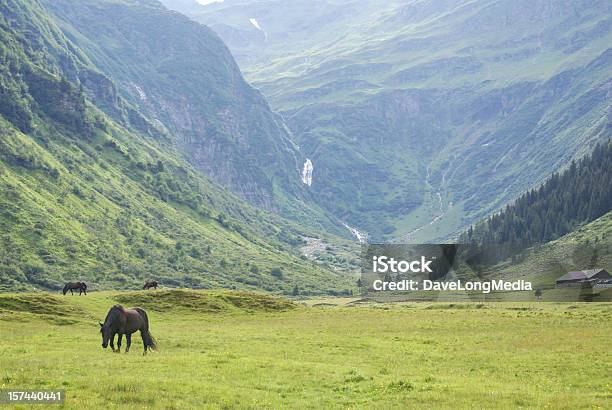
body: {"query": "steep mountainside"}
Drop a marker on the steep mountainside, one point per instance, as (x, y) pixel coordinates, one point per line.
(421, 117)
(92, 190)
(580, 194)
(180, 74)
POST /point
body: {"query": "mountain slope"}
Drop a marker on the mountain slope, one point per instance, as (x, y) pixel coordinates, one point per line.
(587, 247)
(567, 200)
(181, 75)
(105, 197)
(423, 117)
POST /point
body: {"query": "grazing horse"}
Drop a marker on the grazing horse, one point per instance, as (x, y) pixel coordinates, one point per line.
(70, 286)
(150, 284)
(123, 321)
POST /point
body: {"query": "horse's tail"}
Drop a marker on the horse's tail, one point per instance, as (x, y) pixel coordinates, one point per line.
(149, 340)
(146, 335)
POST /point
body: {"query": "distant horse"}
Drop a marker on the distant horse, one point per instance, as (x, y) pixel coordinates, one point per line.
(70, 286)
(123, 321)
(150, 284)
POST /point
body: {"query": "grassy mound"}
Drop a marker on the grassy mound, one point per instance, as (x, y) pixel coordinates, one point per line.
(42, 304)
(443, 306)
(167, 300)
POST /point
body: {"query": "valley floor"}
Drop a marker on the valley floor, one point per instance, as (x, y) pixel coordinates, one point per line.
(234, 350)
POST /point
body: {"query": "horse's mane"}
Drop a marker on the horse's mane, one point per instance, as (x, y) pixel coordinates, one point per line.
(113, 312)
(118, 307)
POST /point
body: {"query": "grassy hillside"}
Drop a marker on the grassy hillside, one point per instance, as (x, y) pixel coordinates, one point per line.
(104, 212)
(100, 193)
(586, 248)
(281, 355)
(423, 117)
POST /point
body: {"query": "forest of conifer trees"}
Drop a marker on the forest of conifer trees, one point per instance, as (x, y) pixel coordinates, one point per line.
(567, 200)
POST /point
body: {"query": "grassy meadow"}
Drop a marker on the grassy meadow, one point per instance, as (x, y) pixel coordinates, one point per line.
(241, 350)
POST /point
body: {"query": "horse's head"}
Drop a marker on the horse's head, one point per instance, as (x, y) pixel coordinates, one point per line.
(106, 334)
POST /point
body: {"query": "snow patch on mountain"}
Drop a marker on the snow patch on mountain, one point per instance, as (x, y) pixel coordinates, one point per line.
(307, 172)
(255, 23)
(205, 2)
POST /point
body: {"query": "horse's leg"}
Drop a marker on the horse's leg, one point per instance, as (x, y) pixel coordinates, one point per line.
(71, 292)
(128, 340)
(144, 343)
(119, 339)
(112, 342)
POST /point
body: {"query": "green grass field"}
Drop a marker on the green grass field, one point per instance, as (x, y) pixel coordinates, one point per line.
(237, 350)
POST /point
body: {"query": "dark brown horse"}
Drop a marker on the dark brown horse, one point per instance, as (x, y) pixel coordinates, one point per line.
(70, 286)
(121, 321)
(150, 284)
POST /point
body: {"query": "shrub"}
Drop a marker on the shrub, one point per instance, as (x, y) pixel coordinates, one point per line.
(195, 253)
(277, 272)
